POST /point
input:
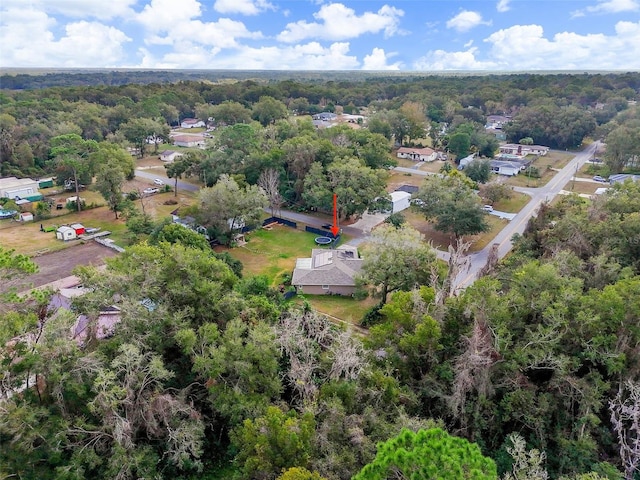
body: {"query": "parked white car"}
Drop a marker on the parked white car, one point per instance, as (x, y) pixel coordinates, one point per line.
(150, 191)
(488, 208)
(157, 181)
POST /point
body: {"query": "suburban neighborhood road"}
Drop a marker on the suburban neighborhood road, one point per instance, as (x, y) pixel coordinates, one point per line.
(476, 261)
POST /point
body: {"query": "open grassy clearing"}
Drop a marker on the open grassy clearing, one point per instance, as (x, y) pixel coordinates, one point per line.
(344, 308)
(588, 188)
(397, 179)
(514, 204)
(28, 239)
(442, 240)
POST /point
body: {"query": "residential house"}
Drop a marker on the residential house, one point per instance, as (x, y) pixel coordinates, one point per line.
(623, 177)
(192, 123)
(169, 156)
(189, 141)
(523, 150)
(325, 116)
(19, 188)
(508, 169)
(400, 201)
(417, 154)
(328, 271)
(466, 161)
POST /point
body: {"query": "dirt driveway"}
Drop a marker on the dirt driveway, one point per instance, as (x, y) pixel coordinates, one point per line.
(56, 265)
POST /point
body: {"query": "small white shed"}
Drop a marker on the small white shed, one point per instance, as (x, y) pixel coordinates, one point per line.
(65, 233)
(400, 201)
(26, 217)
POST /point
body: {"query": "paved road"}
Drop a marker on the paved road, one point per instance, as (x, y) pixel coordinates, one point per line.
(539, 195)
(169, 181)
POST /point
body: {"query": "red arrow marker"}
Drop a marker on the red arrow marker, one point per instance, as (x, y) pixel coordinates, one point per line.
(334, 227)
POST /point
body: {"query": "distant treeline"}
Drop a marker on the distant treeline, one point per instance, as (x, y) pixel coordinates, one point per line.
(14, 79)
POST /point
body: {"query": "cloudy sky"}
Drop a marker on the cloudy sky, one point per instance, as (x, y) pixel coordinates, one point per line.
(423, 35)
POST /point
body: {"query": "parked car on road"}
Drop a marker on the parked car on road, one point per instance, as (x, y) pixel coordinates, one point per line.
(598, 178)
(488, 208)
(157, 181)
(150, 191)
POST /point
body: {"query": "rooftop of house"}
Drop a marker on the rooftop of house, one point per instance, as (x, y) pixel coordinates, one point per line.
(420, 151)
(328, 267)
(188, 138)
(10, 182)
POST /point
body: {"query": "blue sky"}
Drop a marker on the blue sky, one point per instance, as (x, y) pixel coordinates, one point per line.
(410, 35)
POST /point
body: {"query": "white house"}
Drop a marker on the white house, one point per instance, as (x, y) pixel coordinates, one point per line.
(66, 233)
(12, 187)
(418, 154)
(189, 141)
(467, 160)
(523, 150)
(623, 177)
(169, 156)
(400, 201)
(192, 123)
(508, 169)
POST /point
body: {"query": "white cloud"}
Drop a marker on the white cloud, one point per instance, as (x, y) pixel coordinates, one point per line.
(244, 7)
(160, 15)
(171, 23)
(309, 56)
(378, 59)
(466, 20)
(338, 22)
(503, 6)
(609, 6)
(77, 8)
(443, 60)
(27, 41)
(524, 47)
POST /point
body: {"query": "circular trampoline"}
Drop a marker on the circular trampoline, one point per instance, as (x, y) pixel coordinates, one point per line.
(323, 240)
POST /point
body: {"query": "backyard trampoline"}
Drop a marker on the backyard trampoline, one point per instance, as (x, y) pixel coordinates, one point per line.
(323, 240)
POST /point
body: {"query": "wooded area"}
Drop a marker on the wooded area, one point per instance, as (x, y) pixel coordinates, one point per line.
(531, 372)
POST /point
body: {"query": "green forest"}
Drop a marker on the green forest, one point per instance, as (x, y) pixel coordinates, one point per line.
(531, 372)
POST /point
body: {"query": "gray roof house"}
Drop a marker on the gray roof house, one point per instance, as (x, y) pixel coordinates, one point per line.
(623, 177)
(328, 271)
(505, 168)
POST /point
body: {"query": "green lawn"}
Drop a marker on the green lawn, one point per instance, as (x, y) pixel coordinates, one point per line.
(344, 308)
(513, 204)
(274, 252)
